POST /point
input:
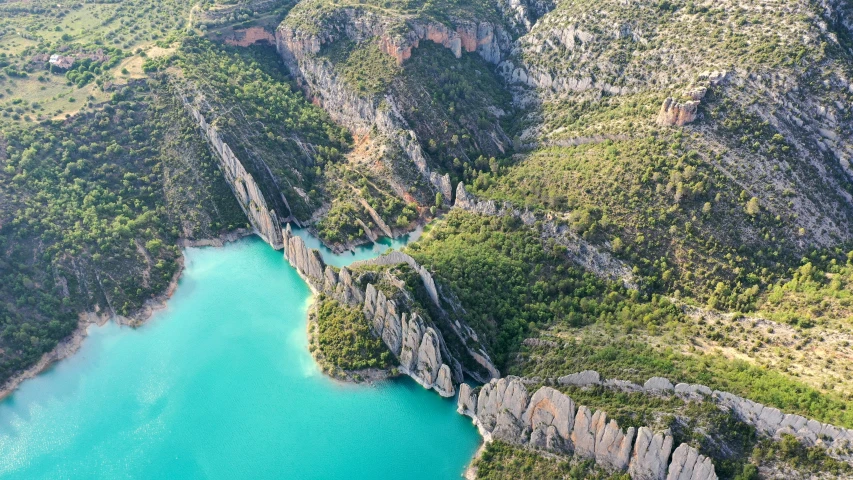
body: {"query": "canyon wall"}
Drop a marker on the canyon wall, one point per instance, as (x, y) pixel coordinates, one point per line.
(360, 113)
(299, 48)
(416, 342)
(262, 218)
(550, 420)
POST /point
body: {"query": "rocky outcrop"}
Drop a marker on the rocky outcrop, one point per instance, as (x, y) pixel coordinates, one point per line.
(416, 342)
(262, 218)
(650, 456)
(674, 113)
(551, 417)
(548, 420)
(768, 421)
(680, 113)
(581, 379)
(688, 464)
(417, 347)
(468, 338)
(394, 258)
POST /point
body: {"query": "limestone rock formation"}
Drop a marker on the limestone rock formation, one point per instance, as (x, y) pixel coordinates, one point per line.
(583, 435)
(412, 335)
(503, 410)
(506, 394)
(688, 464)
(263, 219)
(674, 113)
(612, 445)
(651, 455)
(658, 384)
(581, 379)
(467, 401)
(429, 357)
(551, 417)
(444, 382)
(309, 263)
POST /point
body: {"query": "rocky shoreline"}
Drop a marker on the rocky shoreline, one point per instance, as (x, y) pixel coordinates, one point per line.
(71, 344)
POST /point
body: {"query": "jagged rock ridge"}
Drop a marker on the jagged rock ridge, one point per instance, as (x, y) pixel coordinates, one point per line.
(550, 420)
(263, 219)
(416, 342)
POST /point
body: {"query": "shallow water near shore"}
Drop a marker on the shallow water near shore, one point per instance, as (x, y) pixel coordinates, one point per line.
(220, 384)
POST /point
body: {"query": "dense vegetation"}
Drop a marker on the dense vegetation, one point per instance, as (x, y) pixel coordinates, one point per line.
(458, 108)
(541, 291)
(344, 338)
(363, 65)
(91, 211)
(267, 122)
(500, 461)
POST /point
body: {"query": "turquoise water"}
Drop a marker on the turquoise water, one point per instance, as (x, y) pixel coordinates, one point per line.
(362, 252)
(220, 385)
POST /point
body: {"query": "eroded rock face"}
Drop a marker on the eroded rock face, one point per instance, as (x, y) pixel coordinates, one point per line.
(429, 357)
(444, 382)
(263, 219)
(688, 464)
(674, 113)
(507, 394)
(581, 379)
(466, 404)
(583, 435)
(651, 455)
(613, 446)
(658, 384)
(306, 261)
(551, 417)
(412, 336)
(547, 420)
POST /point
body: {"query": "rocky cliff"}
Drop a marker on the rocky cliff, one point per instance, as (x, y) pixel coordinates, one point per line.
(768, 421)
(359, 113)
(417, 342)
(300, 41)
(263, 219)
(551, 421)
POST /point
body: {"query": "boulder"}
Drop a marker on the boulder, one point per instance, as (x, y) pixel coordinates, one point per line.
(581, 379)
(658, 384)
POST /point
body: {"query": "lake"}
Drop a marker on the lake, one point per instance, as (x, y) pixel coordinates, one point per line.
(220, 384)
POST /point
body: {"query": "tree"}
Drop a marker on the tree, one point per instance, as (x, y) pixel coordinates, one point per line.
(439, 200)
(753, 207)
